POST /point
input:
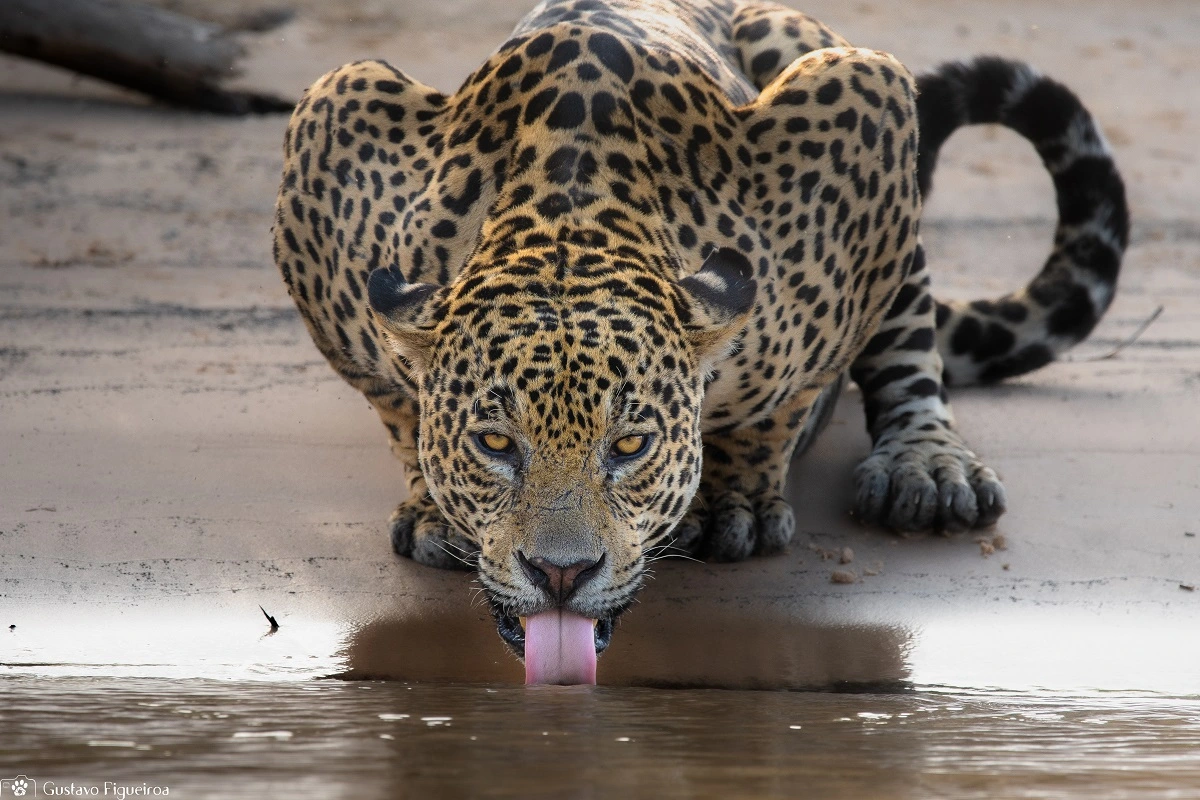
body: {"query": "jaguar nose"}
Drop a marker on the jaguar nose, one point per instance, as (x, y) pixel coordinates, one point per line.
(559, 580)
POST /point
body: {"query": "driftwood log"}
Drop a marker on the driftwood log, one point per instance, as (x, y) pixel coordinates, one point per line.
(173, 58)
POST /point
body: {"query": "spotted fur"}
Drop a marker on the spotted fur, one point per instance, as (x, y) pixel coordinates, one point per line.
(678, 220)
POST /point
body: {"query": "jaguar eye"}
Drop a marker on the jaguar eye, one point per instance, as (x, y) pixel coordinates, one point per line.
(496, 443)
(629, 446)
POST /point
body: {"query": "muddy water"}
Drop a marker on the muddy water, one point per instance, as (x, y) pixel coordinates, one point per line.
(327, 738)
(212, 704)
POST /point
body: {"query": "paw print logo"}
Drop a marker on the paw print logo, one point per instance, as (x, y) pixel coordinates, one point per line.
(20, 786)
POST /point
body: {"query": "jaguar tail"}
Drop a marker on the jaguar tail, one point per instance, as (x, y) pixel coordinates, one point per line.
(988, 340)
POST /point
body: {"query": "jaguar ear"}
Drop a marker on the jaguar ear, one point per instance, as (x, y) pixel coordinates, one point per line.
(406, 312)
(719, 297)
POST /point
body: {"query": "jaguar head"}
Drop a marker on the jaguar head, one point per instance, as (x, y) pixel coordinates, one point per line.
(560, 397)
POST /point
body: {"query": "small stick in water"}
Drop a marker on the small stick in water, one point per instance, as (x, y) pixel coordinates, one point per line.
(270, 619)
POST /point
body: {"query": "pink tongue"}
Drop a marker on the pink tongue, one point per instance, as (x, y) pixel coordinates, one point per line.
(560, 647)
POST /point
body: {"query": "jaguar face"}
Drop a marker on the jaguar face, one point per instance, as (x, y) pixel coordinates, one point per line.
(560, 429)
(564, 458)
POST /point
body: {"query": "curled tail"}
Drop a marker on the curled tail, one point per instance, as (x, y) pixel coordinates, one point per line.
(989, 340)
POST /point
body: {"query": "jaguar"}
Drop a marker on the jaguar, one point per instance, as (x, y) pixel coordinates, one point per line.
(604, 293)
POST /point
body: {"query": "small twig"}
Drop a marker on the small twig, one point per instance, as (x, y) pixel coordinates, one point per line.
(1136, 335)
(270, 619)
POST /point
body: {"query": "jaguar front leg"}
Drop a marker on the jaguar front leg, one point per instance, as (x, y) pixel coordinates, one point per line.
(739, 510)
(418, 528)
(920, 473)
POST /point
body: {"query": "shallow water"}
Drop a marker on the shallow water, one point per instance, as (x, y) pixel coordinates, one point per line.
(327, 738)
(208, 702)
(665, 644)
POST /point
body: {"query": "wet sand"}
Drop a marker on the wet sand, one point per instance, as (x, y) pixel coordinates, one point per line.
(174, 452)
